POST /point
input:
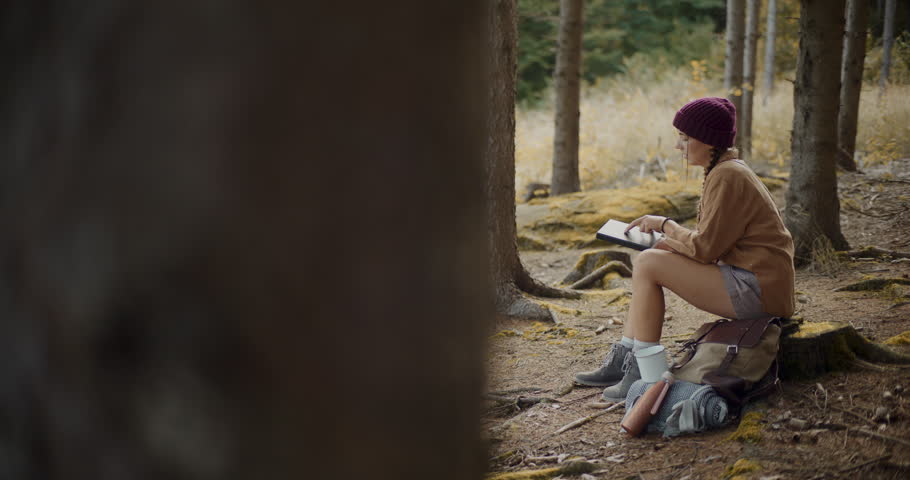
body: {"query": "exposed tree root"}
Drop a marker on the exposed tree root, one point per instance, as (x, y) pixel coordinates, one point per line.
(530, 285)
(591, 261)
(525, 308)
(567, 468)
(872, 284)
(816, 348)
(614, 266)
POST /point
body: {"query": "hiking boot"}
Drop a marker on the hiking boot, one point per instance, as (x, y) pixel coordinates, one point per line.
(617, 393)
(608, 374)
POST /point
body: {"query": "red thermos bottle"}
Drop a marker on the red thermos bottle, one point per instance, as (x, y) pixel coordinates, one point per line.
(647, 406)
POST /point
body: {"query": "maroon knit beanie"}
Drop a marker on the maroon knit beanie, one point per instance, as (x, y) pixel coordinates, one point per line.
(710, 120)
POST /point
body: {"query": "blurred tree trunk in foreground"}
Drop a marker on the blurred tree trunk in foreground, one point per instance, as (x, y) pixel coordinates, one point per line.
(568, 90)
(749, 59)
(233, 247)
(852, 81)
(770, 40)
(733, 65)
(509, 277)
(887, 44)
(813, 209)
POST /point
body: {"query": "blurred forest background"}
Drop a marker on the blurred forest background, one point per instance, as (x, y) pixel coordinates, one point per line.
(642, 60)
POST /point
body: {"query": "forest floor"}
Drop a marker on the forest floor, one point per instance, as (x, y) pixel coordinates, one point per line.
(536, 360)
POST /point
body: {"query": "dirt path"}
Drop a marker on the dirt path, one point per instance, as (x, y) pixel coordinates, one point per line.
(543, 358)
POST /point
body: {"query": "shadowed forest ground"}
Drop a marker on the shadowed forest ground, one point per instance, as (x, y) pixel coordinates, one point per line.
(537, 360)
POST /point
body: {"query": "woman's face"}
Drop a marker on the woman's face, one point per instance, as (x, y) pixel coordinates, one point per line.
(696, 152)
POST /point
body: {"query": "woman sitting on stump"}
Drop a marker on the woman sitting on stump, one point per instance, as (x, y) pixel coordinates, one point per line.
(737, 263)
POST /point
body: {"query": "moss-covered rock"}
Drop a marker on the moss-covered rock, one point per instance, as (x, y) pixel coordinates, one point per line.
(572, 220)
(529, 242)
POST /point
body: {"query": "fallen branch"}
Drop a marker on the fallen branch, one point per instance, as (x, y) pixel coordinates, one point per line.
(576, 400)
(879, 436)
(520, 402)
(589, 279)
(874, 252)
(840, 409)
(864, 464)
(584, 420)
(517, 390)
(574, 467)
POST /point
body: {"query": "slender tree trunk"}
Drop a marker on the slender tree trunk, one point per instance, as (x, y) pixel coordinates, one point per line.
(813, 209)
(733, 65)
(770, 39)
(749, 60)
(185, 290)
(568, 90)
(852, 81)
(509, 277)
(887, 43)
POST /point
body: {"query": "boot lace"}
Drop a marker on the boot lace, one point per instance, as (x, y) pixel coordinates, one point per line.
(627, 362)
(615, 351)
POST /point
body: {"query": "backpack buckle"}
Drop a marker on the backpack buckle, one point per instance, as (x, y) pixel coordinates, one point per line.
(734, 349)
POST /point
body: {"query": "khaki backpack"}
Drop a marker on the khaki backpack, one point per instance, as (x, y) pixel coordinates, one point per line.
(736, 357)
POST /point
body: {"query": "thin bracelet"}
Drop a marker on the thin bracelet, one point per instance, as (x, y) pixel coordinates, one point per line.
(663, 223)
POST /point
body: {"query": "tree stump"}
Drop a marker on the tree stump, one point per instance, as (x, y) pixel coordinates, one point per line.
(813, 348)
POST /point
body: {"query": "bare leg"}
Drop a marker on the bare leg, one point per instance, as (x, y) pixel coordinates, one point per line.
(697, 283)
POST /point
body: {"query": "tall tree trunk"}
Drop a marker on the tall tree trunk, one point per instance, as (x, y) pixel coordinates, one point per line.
(750, 54)
(770, 40)
(887, 43)
(813, 209)
(567, 78)
(733, 65)
(186, 292)
(852, 81)
(508, 275)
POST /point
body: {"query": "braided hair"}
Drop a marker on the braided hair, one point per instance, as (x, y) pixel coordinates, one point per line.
(716, 153)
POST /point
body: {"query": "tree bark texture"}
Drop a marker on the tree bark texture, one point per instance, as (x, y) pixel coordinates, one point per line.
(750, 55)
(568, 90)
(733, 66)
(887, 44)
(852, 81)
(770, 40)
(185, 191)
(813, 208)
(508, 275)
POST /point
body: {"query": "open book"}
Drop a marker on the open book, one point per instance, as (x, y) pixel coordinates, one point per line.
(612, 231)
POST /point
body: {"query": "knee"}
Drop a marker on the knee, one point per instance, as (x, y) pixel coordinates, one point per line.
(648, 262)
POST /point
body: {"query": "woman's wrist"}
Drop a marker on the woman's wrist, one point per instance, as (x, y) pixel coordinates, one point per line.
(664, 224)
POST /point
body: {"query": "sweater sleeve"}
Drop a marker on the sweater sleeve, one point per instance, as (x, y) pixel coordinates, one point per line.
(723, 220)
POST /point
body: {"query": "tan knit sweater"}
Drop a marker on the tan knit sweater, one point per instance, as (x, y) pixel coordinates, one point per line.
(739, 224)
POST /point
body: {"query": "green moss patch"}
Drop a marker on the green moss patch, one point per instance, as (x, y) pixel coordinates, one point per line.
(542, 331)
(900, 339)
(742, 469)
(749, 430)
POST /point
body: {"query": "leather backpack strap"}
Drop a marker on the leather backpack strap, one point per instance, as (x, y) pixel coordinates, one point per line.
(733, 348)
(690, 345)
(764, 389)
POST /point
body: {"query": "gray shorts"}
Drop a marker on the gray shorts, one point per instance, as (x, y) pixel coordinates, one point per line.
(745, 293)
